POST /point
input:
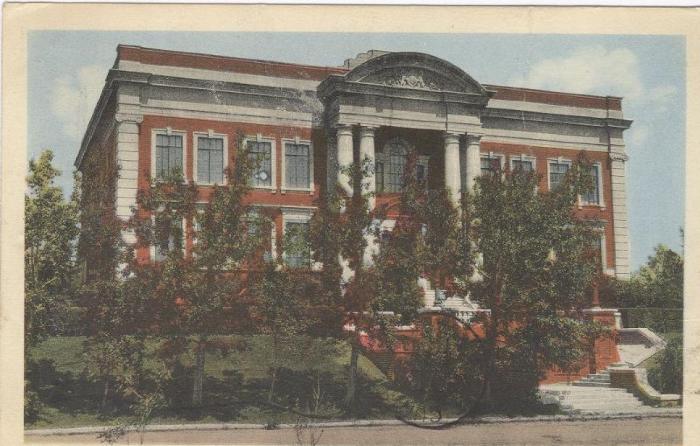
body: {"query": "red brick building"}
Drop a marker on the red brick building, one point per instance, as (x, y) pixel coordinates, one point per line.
(161, 110)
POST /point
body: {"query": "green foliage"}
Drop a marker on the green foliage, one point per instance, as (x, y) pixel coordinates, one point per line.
(50, 233)
(666, 375)
(444, 370)
(653, 297)
(51, 230)
(535, 270)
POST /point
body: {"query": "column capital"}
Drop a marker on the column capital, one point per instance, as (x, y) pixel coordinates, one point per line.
(128, 117)
(367, 130)
(474, 138)
(343, 129)
(618, 156)
(451, 137)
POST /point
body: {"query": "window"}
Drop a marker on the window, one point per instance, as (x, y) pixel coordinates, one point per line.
(168, 155)
(297, 165)
(557, 173)
(210, 160)
(522, 165)
(489, 165)
(422, 170)
(397, 165)
(379, 175)
(254, 226)
(593, 195)
(175, 241)
(261, 155)
(297, 249)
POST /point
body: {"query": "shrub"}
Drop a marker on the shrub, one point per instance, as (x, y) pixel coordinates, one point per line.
(667, 375)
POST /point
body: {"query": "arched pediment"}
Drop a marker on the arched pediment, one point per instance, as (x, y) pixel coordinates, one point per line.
(415, 71)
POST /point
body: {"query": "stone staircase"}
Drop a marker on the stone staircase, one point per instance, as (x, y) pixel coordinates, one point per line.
(594, 395)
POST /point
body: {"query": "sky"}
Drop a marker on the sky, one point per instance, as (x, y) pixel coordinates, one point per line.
(67, 69)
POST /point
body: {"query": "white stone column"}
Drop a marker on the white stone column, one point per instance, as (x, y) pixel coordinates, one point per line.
(452, 180)
(367, 152)
(344, 156)
(620, 226)
(473, 160)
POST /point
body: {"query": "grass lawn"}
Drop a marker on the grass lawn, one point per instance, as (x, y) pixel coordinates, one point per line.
(235, 388)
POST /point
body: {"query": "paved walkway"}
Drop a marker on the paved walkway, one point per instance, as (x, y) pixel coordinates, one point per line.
(646, 431)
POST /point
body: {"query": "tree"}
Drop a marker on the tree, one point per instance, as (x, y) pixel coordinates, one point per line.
(51, 229)
(200, 294)
(653, 297)
(535, 274)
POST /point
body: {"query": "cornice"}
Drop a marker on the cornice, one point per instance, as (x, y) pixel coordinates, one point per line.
(530, 116)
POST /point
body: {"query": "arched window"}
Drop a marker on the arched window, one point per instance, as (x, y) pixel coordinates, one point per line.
(396, 154)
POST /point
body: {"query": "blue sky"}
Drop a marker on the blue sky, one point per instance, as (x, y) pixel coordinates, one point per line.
(67, 70)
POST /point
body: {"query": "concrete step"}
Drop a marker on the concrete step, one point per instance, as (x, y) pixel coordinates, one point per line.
(591, 384)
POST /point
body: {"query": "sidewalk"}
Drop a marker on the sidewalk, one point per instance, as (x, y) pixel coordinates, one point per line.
(659, 413)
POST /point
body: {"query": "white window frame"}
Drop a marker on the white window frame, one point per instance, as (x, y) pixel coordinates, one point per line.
(491, 156)
(273, 158)
(195, 149)
(558, 160)
(168, 131)
(523, 157)
(152, 250)
(254, 212)
(601, 195)
(297, 140)
(297, 215)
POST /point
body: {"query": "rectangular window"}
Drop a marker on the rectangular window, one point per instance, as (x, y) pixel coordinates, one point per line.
(521, 165)
(379, 176)
(297, 250)
(490, 165)
(175, 241)
(557, 173)
(168, 156)
(254, 226)
(210, 160)
(593, 195)
(260, 153)
(297, 165)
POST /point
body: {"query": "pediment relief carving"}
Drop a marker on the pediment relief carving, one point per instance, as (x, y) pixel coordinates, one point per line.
(412, 78)
(415, 71)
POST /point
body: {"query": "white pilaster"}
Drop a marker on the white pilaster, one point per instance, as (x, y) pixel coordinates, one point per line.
(473, 160)
(452, 180)
(620, 225)
(367, 153)
(127, 152)
(344, 148)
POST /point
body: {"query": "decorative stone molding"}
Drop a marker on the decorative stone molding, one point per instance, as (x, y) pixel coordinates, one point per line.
(619, 156)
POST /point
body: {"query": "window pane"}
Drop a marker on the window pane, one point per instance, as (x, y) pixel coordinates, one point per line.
(490, 165)
(397, 166)
(522, 165)
(261, 155)
(210, 160)
(174, 241)
(168, 155)
(557, 173)
(379, 176)
(593, 196)
(297, 165)
(297, 248)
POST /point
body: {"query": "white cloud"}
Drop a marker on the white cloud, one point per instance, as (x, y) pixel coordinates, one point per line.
(597, 70)
(74, 98)
(637, 135)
